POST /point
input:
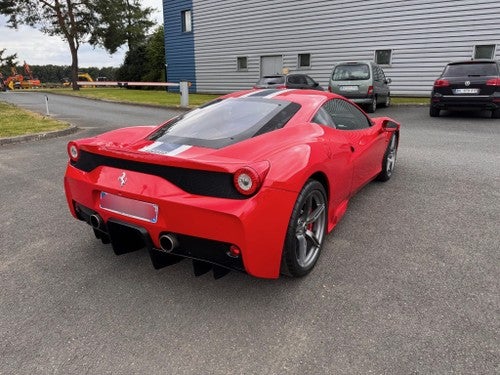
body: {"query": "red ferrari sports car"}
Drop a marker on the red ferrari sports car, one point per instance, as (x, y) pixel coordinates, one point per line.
(251, 181)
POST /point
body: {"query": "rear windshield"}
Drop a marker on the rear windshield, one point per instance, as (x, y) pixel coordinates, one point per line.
(471, 70)
(271, 80)
(226, 122)
(351, 72)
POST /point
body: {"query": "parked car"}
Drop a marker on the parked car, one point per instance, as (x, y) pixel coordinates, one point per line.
(470, 85)
(252, 181)
(364, 82)
(289, 81)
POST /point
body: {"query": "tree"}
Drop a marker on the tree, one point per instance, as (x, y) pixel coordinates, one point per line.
(146, 61)
(120, 21)
(97, 22)
(155, 57)
(8, 60)
(133, 67)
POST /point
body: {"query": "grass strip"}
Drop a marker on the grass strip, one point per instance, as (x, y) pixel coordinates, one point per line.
(15, 121)
(155, 97)
(409, 100)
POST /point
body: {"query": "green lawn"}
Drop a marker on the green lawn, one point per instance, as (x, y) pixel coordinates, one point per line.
(15, 121)
(406, 100)
(156, 97)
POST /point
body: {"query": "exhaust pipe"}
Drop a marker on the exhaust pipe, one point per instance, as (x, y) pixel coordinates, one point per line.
(95, 221)
(168, 242)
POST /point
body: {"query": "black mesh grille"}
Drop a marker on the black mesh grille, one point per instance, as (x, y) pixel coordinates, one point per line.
(212, 184)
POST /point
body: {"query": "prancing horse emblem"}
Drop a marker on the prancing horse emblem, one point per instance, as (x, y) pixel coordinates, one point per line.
(122, 179)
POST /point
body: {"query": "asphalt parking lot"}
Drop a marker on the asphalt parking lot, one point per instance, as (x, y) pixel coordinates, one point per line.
(408, 282)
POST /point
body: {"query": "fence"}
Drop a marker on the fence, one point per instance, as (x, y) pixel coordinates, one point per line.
(183, 86)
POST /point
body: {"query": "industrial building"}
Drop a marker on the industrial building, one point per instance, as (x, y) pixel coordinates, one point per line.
(223, 46)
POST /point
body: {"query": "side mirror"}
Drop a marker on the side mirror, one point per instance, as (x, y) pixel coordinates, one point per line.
(389, 126)
(316, 84)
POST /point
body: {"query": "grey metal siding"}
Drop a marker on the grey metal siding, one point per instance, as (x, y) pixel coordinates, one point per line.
(424, 35)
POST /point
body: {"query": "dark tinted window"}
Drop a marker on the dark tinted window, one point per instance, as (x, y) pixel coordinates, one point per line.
(225, 122)
(304, 60)
(471, 70)
(323, 117)
(310, 81)
(345, 115)
(351, 72)
(296, 79)
(271, 80)
(383, 56)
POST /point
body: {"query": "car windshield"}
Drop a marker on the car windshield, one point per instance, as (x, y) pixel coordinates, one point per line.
(271, 80)
(351, 72)
(471, 70)
(226, 122)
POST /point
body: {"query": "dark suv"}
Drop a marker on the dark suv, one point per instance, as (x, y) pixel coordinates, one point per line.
(290, 81)
(472, 85)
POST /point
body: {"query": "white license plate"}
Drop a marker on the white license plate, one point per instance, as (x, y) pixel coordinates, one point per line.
(129, 207)
(466, 91)
(348, 88)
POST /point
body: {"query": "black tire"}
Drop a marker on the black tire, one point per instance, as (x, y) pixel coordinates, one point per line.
(434, 112)
(372, 107)
(306, 231)
(389, 160)
(495, 113)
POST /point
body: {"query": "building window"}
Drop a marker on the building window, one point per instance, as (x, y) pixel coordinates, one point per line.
(241, 63)
(383, 56)
(304, 60)
(484, 52)
(187, 25)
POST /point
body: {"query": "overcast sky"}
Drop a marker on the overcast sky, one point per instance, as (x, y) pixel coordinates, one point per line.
(39, 49)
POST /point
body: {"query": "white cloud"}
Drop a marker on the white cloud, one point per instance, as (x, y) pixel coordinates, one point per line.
(36, 48)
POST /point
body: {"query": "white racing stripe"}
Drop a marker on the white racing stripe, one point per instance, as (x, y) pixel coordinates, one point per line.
(278, 92)
(165, 148)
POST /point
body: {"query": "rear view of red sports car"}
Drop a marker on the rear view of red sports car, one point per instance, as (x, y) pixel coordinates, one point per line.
(252, 181)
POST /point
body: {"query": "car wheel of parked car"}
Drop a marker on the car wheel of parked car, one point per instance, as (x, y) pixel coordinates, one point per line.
(495, 113)
(372, 106)
(434, 112)
(306, 231)
(389, 161)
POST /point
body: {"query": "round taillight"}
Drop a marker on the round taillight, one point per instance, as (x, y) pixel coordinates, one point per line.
(246, 181)
(73, 151)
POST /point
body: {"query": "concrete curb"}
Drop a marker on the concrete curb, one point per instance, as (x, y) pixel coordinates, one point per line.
(39, 136)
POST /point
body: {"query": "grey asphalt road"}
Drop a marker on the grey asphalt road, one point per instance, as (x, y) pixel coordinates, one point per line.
(408, 282)
(91, 115)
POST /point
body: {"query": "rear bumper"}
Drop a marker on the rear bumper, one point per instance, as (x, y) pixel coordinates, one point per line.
(205, 226)
(466, 102)
(366, 100)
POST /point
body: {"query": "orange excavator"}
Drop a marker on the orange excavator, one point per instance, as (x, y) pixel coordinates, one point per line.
(19, 81)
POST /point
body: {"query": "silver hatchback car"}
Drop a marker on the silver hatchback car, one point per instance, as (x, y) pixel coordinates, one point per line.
(363, 82)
